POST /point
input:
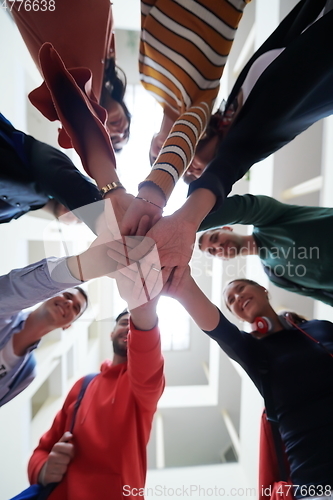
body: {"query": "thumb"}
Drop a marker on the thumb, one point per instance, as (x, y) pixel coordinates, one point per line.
(66, 437)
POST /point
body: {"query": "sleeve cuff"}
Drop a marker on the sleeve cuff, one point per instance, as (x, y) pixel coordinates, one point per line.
(144, 340)
(59, 272)
(212, 183)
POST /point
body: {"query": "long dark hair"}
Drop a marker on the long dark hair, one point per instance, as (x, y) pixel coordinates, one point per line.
(115, 84)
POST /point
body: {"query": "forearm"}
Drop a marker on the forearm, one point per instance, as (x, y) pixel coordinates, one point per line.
(145, 317)
(177, 151)
(230, 212)
(25, 287)
(103, 173)
(93, 263)
(238, 151)
(246, 209)
(203, 312)
(57, 176)
(197, 206)
(145, 366)
(153, 194)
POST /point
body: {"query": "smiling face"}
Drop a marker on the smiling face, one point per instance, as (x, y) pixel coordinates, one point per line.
(64, 308)
(119, 336)
(247, 301)
(221, 242)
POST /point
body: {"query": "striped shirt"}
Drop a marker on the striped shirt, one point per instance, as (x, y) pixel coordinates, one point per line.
(184, 47)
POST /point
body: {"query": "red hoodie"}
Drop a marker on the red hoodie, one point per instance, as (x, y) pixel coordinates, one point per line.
(112, 426)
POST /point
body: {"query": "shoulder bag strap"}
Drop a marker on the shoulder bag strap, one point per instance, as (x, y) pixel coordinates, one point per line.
(86, 381)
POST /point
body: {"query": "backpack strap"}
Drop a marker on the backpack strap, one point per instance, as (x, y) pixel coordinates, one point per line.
(86, 381)
(36, 491)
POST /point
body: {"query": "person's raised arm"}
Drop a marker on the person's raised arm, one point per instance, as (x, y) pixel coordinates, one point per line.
(276, 111)
(93, 262)
(56, 175)
(140, 284)
(172, 161)
(25, 287)
(200, 308)
(185, 82)
(247, 209)
(84, 121)
(209, 318)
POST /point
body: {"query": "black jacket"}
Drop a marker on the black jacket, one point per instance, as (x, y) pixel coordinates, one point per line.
(32, 172)
(293, 92)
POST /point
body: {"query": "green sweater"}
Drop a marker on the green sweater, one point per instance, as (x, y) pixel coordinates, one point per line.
(294, 241)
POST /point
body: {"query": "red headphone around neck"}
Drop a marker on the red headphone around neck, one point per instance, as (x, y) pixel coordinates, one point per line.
(263, 325)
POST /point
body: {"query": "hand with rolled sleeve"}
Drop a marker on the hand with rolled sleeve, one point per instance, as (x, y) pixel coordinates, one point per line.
(58, 460)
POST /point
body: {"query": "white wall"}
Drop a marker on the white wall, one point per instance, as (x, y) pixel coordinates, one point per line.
(225, 481)
(18, 72)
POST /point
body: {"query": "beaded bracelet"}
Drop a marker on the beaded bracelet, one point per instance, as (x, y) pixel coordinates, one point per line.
(144, 199)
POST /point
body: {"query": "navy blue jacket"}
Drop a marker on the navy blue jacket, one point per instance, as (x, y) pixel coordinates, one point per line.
(300, 374)
(32, 172)
(294, 91)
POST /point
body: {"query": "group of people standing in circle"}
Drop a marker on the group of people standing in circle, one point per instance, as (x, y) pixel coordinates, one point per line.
(286, 86)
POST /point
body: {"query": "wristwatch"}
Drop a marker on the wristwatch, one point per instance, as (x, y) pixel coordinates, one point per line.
(111, 187)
